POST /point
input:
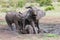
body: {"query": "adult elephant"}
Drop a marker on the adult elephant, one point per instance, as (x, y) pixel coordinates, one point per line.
(14, 17)
(37, 14)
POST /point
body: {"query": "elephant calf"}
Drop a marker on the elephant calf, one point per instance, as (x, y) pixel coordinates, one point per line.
(14, 17)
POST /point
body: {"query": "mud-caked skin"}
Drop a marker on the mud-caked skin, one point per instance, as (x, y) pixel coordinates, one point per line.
(21, 20)
(35, 15)
(17, 18)
(29, 20)
(14, 17)
(28, 30)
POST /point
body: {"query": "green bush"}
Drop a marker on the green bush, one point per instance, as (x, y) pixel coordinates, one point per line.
(44, 2)
(58, 0)
(4, 10)
(7, 9)
(52, 35)
(49, 8)
(21, 3)
(11, 4)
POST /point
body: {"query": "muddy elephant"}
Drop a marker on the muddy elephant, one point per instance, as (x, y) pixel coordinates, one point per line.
(18, 19)
(29, 20)
(28, 23)
(28, 30)
(14, 17)
(37, 14)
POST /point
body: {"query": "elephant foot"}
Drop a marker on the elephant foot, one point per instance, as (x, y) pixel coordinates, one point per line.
(10, 29)
(23, 31)
(41, 31)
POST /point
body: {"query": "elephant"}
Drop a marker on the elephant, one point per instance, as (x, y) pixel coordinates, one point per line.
(14, 17)
(21, 20)
(29, 20)
(27, 30)
(18, 19)
(37, 14)
(28, 17)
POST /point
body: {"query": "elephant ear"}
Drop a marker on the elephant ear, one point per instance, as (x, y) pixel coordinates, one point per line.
(40, 14)
(18, 16)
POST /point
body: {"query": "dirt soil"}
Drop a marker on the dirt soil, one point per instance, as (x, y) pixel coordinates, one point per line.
(6, 34)
(50, 24)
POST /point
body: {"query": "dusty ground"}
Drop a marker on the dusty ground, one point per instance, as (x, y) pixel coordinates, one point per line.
(50, 23)
(6, 34)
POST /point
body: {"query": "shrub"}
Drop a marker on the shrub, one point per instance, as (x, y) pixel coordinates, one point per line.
(31, 4)
(58, 0)
(44, 2)
(49, 8)
(4, 10)
(21, 3)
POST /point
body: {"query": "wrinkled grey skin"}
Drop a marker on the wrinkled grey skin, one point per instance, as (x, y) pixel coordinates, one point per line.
(31, 17)
(29, 20)
(14, 17)
(28, 30)
(18, 19)
(39, 14)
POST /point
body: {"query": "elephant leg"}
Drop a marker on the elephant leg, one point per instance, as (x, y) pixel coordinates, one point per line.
(37, 24)
(29, 29)
(10, 25)
(17, 26)
(23, 24)
(20, 25)
(34, 28)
